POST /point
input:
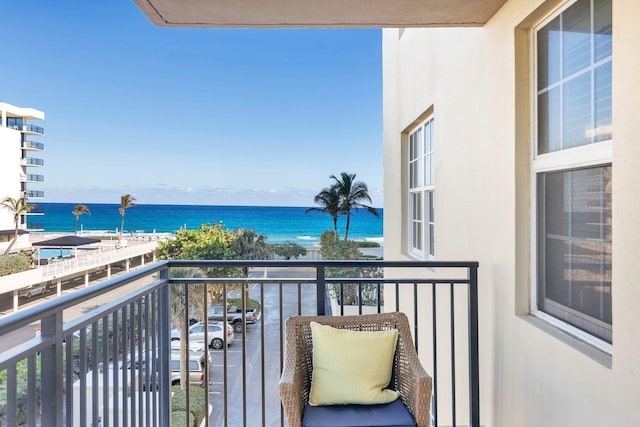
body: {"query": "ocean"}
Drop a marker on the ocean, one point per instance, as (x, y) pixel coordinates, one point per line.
(278, 223)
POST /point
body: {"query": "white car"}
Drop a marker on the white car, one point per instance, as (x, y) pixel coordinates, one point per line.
(215, 334)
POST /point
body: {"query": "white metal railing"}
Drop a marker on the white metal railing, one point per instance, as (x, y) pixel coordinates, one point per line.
(85, 262)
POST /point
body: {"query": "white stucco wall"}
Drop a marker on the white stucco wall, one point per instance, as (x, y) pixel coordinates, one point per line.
(530, 375)
(10, 171)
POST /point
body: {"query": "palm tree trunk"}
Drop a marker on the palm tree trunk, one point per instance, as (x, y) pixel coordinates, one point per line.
(15, 238)
(122, 227)
(346, 230)
(75, 233)
(335, 226)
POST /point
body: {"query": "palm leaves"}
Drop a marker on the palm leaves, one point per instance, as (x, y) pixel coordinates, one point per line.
(18, 207)
(342, 197)
(126, 201)
(77, 211)
(250, 245)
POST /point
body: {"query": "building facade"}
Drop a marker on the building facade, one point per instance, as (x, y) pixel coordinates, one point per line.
(515, 144)
(19, 163)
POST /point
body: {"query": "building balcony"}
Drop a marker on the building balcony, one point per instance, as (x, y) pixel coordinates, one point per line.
(32, 146)
(31, 178)
(32, 161)
(35, 226)
(36, 211)
(111, 365)
(33, 194)
(29, 129)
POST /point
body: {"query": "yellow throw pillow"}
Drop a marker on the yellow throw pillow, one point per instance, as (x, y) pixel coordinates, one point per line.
(351, 366)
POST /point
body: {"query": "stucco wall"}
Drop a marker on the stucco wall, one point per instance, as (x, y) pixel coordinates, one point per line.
(10, 171)
(473, 80)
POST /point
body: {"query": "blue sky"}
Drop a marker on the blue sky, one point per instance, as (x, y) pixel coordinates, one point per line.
(192, 116)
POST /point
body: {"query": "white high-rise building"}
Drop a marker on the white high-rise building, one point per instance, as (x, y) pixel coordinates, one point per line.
(18, 158)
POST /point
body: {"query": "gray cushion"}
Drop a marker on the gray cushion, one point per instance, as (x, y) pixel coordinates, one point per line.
(394, 414)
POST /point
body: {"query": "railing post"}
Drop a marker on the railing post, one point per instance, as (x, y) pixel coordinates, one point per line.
(320, 290)
(474, 365)
(164, 330)
(51, 371)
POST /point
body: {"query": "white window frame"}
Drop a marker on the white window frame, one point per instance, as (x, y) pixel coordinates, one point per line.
(421, 243)
(580, 157)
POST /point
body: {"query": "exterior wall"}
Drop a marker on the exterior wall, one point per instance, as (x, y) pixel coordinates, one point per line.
(476, 82)
(10, 171)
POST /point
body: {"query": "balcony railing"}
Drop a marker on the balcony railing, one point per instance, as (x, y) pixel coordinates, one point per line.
(32, 145)
(33, 129)
(111, 366)
(32, 161)
(30, 177)
(33, 194)
(35, 226)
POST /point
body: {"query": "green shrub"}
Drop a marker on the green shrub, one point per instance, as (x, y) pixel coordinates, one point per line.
(10, 264)
(197, 401)
(179, 419)
(289, 250)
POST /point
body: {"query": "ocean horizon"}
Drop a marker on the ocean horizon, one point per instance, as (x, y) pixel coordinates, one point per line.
(278, 223)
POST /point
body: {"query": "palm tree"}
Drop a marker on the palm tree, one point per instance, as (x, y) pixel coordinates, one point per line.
(77, 211)
(18, 207)
(351, 193)
(178, 298)
(126, 201)
(329, 199)
(251, 246)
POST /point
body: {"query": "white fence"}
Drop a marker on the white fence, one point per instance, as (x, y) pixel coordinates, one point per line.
(85, 262)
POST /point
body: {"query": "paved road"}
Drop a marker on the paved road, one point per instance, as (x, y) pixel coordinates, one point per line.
(252, 371)
(27, 332)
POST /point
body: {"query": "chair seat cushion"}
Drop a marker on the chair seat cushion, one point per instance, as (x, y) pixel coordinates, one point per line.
(394, 414)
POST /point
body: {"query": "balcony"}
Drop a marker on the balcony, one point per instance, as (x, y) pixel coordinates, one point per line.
(32, 130)
(35, 226)
(110, 366)
(33, 194)
(31, 178)
(36, 211)
(32, 146)
(32, 161)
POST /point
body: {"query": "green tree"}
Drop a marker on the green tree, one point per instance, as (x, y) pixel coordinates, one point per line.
(352, 194)
(250, 245)
(289, 250)
(18, 208)
(329, 199)
(179, 312)
(77, 211)
(126, 201)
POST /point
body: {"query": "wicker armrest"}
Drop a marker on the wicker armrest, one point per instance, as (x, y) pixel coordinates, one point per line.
(292, 393)
(413, 382)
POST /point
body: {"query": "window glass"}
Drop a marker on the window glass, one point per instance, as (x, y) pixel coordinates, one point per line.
(549, 54)
(573, 202)
(575, 237)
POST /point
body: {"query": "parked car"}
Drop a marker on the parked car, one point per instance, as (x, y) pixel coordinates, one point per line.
(234, 316)
(197, 368)
(215, 335)
(37, 289)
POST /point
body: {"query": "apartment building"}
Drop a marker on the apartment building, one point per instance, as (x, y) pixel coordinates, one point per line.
(515, 144)
(19, 164)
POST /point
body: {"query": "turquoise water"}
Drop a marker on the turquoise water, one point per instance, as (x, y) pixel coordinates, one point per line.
(279, 224)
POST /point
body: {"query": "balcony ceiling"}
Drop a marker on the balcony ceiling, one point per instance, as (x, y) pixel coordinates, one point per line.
(323, 13)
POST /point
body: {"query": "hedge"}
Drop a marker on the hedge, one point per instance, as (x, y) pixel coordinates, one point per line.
(197, 400)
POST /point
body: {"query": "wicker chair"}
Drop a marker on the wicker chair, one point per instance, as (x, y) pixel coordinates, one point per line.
(408, 377)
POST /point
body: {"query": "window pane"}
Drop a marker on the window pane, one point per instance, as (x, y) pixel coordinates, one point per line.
(549, 121)
(602, 78)
(576, 38)
(574, 263)
(427, 137)
(576, 109)
(602, 28)
(548, 40)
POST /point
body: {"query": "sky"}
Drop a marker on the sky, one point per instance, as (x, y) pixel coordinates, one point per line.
(191, 116)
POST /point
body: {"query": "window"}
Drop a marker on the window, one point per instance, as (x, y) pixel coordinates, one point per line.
(572, 164)
(421, 189)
